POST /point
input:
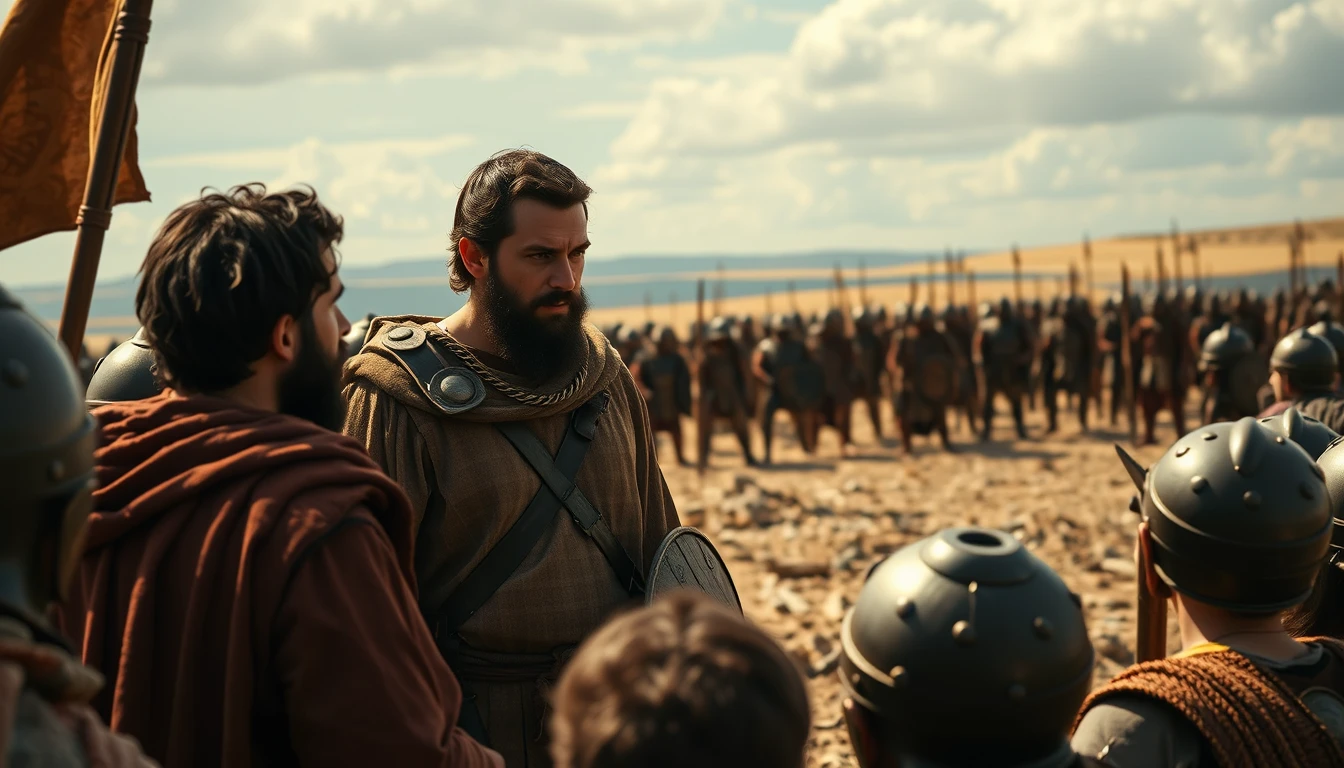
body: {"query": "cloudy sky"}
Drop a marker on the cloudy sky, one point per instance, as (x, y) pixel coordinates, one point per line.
(736, 126)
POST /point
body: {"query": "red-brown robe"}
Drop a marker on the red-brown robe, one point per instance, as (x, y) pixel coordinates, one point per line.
(247, 589)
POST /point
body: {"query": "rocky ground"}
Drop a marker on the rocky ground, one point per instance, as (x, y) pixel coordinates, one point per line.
(800, 536)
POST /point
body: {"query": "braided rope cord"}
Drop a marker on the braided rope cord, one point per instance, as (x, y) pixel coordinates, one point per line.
(518, 394)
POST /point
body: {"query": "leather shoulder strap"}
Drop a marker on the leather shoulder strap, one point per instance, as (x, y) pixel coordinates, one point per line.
(567, 492)
(453, 389)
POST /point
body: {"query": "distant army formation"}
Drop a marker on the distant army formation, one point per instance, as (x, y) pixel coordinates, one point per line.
(1228, 346)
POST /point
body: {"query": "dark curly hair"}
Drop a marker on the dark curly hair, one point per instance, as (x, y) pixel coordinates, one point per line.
(683, 682)
(484, 212)
(222, 271)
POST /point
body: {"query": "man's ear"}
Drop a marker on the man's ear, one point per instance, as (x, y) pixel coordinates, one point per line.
(862, 737)
(285, 339)
(1156, 586)
(473, 258)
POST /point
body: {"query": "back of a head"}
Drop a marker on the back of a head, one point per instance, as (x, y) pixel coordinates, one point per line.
(966, 649)
(46, 456)
(683, 682)
(1309, 361)
(222, 271)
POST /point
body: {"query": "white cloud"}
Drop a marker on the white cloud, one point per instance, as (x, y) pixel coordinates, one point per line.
(254, 41)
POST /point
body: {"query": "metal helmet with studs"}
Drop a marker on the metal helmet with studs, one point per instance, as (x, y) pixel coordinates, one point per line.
(1239, 517)
(1331, 462)
(1224, 347)
(47, 438)
(1332, 332)
(1302, 350)
(1312, 434)
(126, 373)
(966, 644)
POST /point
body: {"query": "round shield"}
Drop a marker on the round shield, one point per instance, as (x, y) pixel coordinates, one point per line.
(687, 560)
(936, 379)
(1247, 376)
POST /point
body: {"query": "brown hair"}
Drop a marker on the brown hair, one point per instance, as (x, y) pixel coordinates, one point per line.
(484, 213)
(222, 271)
(683, 682)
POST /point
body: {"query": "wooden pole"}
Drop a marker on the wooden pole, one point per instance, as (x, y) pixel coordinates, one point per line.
(1017, 276)
(970, 292)
(863, 283)
(1087, 265)
(914, 291)
(793, 296)
(1126, 353)
(1192, 245)
(951, 278)
(1161, 268)
(699, 335)
(1073, 280)
(129, 37)
(1176, 254)
(1339, 288)
(933, 283)
(1147, 279)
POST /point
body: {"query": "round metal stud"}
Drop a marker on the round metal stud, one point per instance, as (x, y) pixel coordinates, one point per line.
(905, 607)
(15, 373)
(400, 334)
(1198, 484)
(1252, 499)
(1043, 629)
(1017, 692)
(899, 677)
(855, 679)
(1279, 440)
(963, 633)
(457, 389)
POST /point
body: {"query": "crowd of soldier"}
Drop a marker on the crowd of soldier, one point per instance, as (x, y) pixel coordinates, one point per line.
(261, 589)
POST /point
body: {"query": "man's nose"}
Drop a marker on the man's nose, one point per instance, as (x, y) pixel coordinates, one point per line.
(342, 322)
(563, 276)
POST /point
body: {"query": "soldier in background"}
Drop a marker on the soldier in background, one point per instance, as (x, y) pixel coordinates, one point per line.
(923, 367)
(723, 391)
(1159, 384)
(46, 481)
(1244, 692)
(1050, 361)
(1004, 347)
(1332, 332)
(1214, 317)
(746, 338)
(869, 362)
(665, 380)
(794, 381)
(958, 325)
(1305, 375)
(835, 353)
(1035, 315)
(1075, 353)
(1231, 372)
(1109, 339)
(964, 649)
(126, 373)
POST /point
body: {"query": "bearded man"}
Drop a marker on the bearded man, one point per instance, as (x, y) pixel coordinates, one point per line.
(469, 412)
(247, 581)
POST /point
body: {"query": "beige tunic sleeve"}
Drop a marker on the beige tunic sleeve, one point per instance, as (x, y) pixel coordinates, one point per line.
(393, 439)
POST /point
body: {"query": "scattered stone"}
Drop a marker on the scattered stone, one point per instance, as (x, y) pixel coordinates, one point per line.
(1113, 648)
(788, 601)
(835, 606)
(1120, 568)
(797, 569)
(826, 665)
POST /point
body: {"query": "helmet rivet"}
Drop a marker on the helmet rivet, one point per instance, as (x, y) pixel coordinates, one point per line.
(1184, 449)
(15, 373)
(1307, 493)
(1198, 484)
(1017, 692)
(56, 471)
(1279, 440)
(1043, 628)
(905, 607)
(963, 633)
(1210, 435)
(899, 677)
(855, 679)
(1251, 498)
(401, 333)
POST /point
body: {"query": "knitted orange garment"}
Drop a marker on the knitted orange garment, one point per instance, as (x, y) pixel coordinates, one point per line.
(1250, 717)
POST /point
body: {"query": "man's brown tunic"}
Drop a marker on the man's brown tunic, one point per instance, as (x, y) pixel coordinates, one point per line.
(468, 485)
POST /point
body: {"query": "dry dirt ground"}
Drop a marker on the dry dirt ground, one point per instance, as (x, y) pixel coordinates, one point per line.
(799, 537)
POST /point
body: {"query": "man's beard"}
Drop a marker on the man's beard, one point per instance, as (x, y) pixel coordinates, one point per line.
(537, 347)
(311, 388)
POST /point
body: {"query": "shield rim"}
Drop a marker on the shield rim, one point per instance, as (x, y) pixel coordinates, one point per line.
(658, 558)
